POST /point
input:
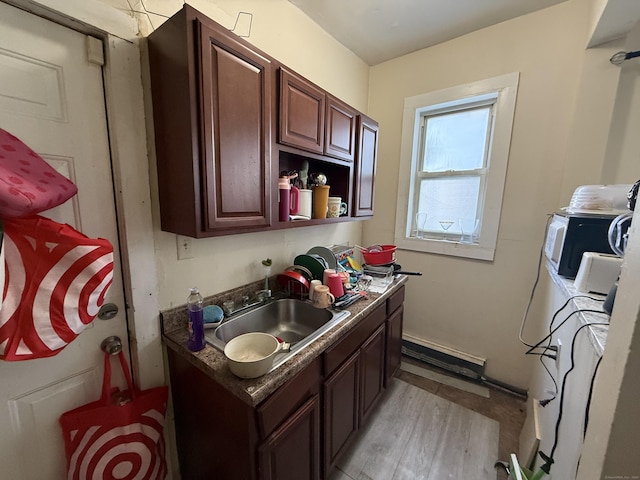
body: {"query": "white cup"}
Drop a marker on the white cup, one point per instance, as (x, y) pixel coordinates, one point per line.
(336, 207)
(314, 284)
(305, 202)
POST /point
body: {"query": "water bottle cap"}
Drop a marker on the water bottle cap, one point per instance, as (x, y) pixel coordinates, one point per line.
(283, 183)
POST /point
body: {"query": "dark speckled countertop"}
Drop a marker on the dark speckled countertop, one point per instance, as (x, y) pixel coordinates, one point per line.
(253, 391)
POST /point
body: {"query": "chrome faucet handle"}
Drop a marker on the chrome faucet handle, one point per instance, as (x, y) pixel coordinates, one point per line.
(228, 306)
(263, 295)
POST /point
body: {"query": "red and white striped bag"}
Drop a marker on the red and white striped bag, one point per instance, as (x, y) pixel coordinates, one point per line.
(56, 279)
(119, 436)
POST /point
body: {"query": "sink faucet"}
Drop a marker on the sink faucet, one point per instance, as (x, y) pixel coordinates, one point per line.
(263, 295)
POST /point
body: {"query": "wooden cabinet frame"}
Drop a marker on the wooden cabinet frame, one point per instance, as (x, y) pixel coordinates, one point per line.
(212, 107)
(226, 125)
(365, 167)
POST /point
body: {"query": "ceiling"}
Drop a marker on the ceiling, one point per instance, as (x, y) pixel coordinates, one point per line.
(379, 30)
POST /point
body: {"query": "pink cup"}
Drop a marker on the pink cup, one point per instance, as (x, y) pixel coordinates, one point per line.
(334, 282)
(325, 275)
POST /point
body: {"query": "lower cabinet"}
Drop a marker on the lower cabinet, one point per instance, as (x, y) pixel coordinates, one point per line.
(395, 315)
(341, 409)
(298, 432)
(372, 355)
(354, 380)
(350, 395)
(292, 452)
(394, 343)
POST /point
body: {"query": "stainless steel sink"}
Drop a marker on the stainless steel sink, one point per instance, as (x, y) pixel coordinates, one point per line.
(293, 321)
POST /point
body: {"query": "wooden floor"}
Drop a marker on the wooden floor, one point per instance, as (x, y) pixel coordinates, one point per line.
(424, 429)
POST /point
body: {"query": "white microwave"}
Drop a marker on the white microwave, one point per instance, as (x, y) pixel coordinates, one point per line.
(570, 235)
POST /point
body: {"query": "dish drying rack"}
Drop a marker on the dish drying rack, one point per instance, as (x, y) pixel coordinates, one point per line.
(295, 289)
(381, 276)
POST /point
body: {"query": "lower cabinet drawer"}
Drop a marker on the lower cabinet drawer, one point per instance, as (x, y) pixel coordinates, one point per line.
(395, 301)
(286, 400)
(335, 355)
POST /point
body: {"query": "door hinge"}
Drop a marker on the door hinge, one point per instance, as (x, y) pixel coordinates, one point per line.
(95, 52)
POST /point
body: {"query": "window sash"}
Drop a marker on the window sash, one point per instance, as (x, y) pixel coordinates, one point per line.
(469, 106)
(416, 223)
(414, 216)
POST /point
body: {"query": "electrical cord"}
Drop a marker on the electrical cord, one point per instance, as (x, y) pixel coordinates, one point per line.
(535, 283)
(548, 347)
(545, 401)
(549, 459)
(588, 406)
(554, 330)
(553, 319)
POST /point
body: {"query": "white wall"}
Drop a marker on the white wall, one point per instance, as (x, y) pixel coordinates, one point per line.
(476, 306)
(281, 30)
(622, 162)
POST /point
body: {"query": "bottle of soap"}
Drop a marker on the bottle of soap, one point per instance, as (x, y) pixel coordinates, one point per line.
(196, 320)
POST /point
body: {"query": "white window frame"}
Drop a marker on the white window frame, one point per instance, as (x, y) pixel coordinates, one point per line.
(504, 89)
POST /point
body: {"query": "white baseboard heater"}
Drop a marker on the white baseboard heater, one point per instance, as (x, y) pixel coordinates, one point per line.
(443, 357)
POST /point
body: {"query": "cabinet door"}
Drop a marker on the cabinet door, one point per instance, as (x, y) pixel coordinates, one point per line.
(302, 113)
(292, 452)
(365, 173)
(394, 343)
(340, 410)
(235, 89)
(372, 355)
(340, 130)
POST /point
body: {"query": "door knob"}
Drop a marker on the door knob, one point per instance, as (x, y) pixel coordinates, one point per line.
(111, 345)
(107, 311)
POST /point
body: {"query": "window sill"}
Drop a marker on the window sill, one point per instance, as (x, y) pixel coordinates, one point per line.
(447, 247)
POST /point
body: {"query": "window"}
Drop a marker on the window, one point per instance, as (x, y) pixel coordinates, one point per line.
(455, 147)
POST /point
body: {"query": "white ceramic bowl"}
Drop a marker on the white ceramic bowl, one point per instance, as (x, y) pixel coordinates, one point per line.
(251, 355)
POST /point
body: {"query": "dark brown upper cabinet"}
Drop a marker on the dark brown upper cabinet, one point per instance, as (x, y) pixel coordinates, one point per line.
(313, 120)
(212, 106)
(340, 130)
(229, 118)
(302, 113)
(365, 167)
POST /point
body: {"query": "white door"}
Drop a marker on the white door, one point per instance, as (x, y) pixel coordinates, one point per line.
(52, 98)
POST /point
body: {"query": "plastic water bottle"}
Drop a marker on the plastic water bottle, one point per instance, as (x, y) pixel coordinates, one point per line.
(284, 205)
(196, 322)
